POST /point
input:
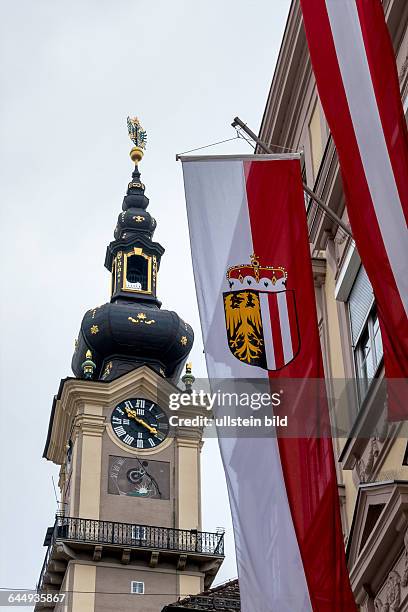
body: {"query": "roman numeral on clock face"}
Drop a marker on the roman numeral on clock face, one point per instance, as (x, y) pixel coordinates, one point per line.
(120, 431)
(140, 403)
(128, 439)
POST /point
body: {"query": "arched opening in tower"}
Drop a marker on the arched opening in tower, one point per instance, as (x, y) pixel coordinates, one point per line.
(136, 272)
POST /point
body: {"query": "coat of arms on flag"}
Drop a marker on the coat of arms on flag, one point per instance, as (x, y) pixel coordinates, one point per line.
(260, 316)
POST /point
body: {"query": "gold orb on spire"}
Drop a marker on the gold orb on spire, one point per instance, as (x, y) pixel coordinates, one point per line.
(139, 138)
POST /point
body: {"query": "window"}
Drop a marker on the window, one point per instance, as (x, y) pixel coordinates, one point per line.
(136, 273)
(315, 135)
(405, 459)
(365, 332)
(137, 588)
(138, 532)
(368, 352)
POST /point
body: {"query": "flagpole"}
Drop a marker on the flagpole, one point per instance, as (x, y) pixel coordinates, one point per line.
(306, 189)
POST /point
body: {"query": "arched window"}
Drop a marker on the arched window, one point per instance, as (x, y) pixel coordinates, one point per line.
(137, 272)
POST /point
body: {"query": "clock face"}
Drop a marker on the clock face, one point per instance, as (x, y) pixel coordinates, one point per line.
(140, 423)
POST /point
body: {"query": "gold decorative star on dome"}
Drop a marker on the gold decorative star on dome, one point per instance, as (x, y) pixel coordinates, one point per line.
(183, 340)
(94, 329)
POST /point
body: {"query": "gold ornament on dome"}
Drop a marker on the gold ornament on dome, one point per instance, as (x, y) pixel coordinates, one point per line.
(141, 318)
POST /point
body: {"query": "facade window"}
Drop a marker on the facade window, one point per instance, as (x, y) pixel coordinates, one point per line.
(304, 179)
(316, 144)
(405, 459)
(365, 332)
(137, 587)
(368, 352)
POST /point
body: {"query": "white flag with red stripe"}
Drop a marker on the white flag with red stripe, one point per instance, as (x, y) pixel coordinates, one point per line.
(255, 291)
(353, 61)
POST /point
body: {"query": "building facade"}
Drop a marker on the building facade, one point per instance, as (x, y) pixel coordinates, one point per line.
(128, 535)
(370, 452)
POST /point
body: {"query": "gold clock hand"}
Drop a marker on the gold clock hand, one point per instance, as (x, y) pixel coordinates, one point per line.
(132, 414)
(152, 430)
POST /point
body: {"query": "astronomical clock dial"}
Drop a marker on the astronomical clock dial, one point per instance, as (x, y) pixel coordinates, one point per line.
(136, 477)
(140, 423)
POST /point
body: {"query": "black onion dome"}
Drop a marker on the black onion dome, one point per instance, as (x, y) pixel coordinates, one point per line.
(132, 330)
(133, 221)
(124, 335)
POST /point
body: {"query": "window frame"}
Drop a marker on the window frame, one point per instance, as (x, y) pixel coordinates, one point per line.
(363, 381)
(137, 592)
(137, 251)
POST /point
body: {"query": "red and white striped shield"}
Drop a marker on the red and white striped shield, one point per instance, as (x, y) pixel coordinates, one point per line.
(262, 327)
(280, 328)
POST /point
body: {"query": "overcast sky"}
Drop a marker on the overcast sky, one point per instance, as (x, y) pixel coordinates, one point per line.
(70, 74)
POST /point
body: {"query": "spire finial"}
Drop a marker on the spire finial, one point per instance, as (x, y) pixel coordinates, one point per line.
(139, 138)
(88, 366)
(188, 378)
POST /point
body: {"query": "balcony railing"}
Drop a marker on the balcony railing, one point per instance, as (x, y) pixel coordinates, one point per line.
(109, 533)
(127, 534)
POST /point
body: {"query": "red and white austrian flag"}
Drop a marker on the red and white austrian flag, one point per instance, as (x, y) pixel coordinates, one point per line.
(255, 291)
(354, 64)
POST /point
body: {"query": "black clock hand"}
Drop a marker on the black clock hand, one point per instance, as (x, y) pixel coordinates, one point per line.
(154, 481)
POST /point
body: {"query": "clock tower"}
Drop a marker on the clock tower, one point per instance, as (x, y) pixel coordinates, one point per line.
(128, 535)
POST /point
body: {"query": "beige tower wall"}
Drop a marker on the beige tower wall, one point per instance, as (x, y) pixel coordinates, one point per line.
(83, 596)
(113, 588)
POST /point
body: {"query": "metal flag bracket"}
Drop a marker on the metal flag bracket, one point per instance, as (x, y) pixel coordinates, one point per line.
(237, 122)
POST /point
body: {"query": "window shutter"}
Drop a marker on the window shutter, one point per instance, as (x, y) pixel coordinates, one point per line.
(360, 301)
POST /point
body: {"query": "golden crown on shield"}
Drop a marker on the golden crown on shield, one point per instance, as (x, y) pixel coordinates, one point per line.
(255, 276)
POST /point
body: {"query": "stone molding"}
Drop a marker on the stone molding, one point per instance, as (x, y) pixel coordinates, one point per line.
(371, 562)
